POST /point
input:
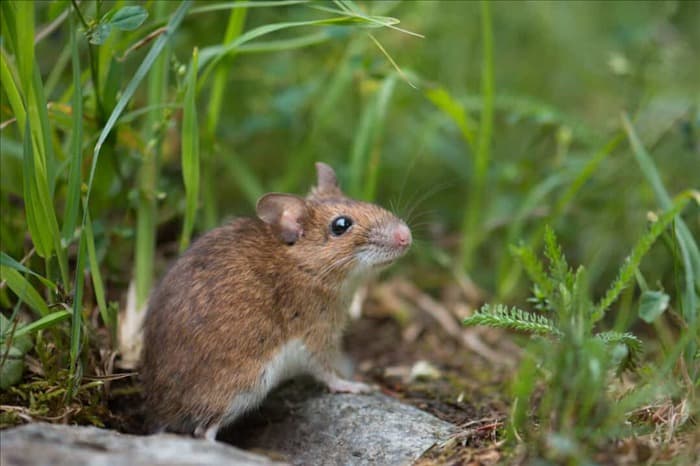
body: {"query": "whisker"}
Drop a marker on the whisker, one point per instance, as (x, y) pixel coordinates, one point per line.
(436, 188)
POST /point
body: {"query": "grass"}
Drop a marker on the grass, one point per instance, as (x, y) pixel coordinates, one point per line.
(128, 130)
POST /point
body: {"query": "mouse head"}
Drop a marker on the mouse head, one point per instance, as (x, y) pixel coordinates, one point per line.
(329, 233)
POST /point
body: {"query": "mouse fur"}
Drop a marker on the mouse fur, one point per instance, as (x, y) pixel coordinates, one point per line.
(258, 301)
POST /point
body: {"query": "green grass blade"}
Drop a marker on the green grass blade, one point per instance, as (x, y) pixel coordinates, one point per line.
(12, 91)
(234, 29)
(8, 261)
(338, 85)
(97, 282)
(583, 176)
(24, 39)
(355, 15)
(626, 273)
(145, 229)
(74, 370)
(45, 169)
(470, 236)
(509, 274)
(362, 164)
(41, 165)
(190, 153)
(58, 70)
(41, 236)
(648, 167)
(379, 119)
(128, 93)
(244, 5)
(646, 164)
(24, 290)
(48, 321)
(217, 52)
(690, 253)
(246, 180)
(287, 44)
(70, 214)
(147, 212)
(455, 111)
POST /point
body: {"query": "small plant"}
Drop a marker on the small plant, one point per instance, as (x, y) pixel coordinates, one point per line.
(574, 406)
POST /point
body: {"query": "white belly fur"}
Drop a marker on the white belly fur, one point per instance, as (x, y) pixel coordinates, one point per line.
(291, 360)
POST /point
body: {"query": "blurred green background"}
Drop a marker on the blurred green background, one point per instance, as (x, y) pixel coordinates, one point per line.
(563, 75)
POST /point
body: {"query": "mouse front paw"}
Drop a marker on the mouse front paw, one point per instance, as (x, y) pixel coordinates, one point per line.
(348, 386)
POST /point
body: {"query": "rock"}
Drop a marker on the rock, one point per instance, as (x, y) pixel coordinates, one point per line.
(306, 425)
(57, 445)
(301, 423)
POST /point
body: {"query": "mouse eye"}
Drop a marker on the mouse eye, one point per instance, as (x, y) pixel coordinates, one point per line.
(340, 225)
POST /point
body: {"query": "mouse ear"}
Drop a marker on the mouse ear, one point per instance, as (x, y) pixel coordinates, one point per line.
(327, 185)
(285, 212)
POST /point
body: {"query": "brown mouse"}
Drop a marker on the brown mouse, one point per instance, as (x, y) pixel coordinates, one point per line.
(258, 301)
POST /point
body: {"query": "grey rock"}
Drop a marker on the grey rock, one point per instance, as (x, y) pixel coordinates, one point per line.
(58, 445)
(301, 423)
(308, 426)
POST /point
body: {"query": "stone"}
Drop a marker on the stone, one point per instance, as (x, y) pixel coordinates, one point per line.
(304, 424)
(300, 424)
(43, 444)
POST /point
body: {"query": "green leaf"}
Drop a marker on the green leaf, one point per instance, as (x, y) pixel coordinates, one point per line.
(21, 342)
(24, 45)
(455, 111)
(99, 34)
(129, 18)
(23, 289)
(47, 321)
(40, 235)
(216, 52)
(97, 283)
(11, 86)
(12, 367)
(652, 304)
(10, 262)
(190, 153)
(70, 214)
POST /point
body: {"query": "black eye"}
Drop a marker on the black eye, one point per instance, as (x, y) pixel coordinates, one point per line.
(340, 225)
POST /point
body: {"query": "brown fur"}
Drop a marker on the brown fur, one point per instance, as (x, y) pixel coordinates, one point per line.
(240, 293)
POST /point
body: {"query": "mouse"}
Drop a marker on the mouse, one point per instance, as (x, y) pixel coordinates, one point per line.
(258, 301)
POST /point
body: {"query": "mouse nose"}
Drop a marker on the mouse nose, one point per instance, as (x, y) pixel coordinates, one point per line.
(402, 236)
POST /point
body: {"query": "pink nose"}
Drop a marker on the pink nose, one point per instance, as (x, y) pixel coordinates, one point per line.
(402, 236)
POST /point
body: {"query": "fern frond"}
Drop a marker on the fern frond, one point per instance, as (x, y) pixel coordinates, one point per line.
(534, 268)
(539, 300)
(633, 344)
(559, 270)
(501, 316)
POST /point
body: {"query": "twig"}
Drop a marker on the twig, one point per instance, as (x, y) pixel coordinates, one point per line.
(142, 42)
(448, 322)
